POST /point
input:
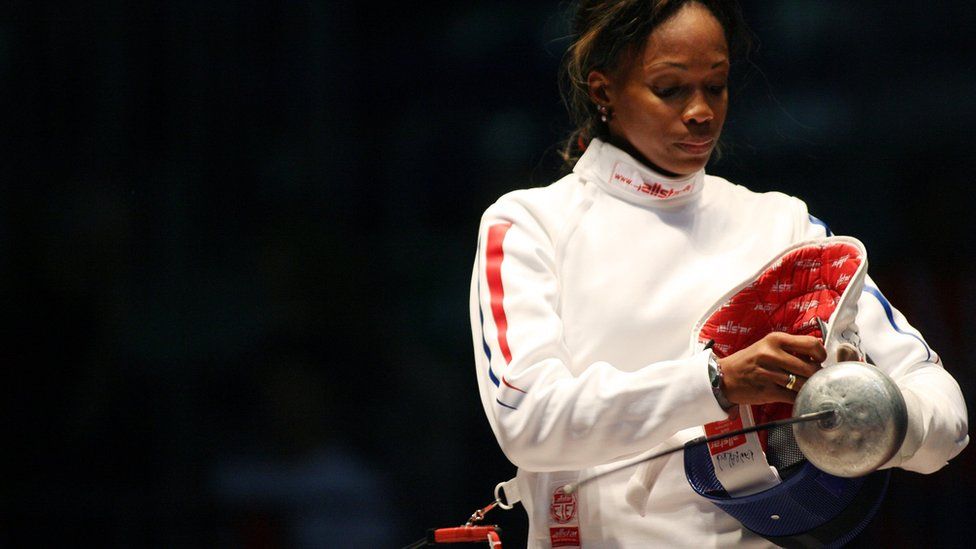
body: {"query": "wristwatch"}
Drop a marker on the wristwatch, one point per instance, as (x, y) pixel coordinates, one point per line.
(715, 377)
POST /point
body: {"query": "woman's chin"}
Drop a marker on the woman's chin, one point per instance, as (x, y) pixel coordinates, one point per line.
(684, 166)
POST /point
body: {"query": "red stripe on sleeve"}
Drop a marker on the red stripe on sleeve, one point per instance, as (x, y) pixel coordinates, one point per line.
(493, 272)
(509, 385)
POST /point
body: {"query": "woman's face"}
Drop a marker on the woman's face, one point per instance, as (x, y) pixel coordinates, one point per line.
(668, 105)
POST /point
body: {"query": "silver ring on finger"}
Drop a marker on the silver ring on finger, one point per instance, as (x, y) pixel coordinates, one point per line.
(790, 382)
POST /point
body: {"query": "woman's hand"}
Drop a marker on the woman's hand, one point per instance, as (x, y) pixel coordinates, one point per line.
(760, 373)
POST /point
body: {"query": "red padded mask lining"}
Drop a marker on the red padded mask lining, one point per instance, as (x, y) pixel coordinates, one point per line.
(788, 297)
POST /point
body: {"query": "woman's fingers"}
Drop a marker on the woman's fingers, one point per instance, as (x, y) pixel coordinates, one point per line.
(792, 364)
(776, 358)
(791, 382)
(780, 394)
(805, 346)
(800, 355)
(779, 384)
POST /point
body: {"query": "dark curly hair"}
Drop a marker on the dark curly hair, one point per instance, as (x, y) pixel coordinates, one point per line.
(608, 34)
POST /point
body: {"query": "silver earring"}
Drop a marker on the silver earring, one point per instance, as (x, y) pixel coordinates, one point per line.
(604, 113)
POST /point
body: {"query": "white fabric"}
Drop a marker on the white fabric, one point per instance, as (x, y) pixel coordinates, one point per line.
(602, 286)
(507, 493)
(642, 481)
(842, 340)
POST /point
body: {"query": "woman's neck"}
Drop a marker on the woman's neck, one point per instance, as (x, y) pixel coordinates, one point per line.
(625, 146)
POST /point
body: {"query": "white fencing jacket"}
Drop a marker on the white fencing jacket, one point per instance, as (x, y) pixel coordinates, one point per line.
(583, 299)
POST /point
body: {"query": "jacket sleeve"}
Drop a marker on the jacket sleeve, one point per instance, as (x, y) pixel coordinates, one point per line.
(937, 422)
(547, 413)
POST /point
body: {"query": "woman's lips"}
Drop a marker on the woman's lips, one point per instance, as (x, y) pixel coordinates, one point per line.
(697, 147)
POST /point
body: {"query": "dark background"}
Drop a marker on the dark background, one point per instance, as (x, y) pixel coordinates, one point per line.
(236, 242)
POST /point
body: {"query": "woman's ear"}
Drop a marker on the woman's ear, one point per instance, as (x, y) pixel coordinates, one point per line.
(600, 88)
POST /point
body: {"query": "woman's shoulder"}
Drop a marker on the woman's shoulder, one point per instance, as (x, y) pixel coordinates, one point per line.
(728, 190)
(770, 209)
(549, 202)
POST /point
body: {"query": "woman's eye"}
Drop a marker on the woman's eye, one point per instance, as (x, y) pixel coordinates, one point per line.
(666, 92)
(717, 89)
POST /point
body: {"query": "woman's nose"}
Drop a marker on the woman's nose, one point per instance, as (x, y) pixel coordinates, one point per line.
(698, 111)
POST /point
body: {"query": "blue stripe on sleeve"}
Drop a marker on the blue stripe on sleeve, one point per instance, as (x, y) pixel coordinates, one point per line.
(506, 405)
(494, 379)
(816, 221)
(891, 317)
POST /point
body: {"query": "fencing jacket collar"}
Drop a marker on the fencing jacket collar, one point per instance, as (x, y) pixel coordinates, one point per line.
(623, 176)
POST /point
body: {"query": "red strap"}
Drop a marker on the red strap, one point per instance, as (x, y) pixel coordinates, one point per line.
(462, 534)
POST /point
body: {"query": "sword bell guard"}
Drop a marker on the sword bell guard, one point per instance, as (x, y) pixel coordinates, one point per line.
(868, 426)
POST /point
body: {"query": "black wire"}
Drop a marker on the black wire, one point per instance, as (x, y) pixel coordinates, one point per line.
(812, 416)
(422, 542)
